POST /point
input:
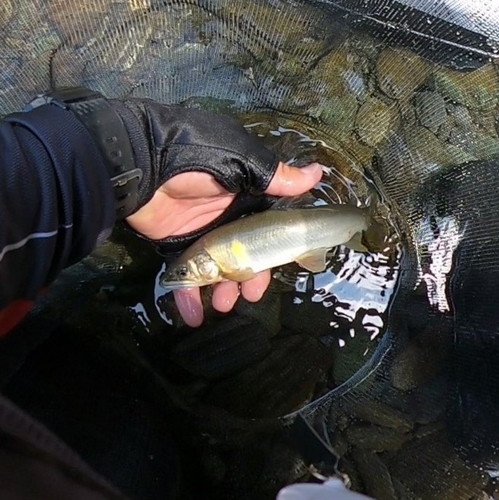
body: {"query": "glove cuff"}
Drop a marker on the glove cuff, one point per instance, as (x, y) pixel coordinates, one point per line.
(136, 127)
(109, 134)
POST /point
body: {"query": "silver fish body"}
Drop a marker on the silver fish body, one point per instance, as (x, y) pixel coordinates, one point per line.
(240, 249)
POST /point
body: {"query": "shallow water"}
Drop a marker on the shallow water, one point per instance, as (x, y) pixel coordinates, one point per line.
(345, 307)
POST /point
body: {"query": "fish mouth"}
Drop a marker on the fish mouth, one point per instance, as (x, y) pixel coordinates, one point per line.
(175, 285)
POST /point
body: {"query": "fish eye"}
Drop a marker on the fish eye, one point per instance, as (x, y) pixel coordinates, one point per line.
(182, 272)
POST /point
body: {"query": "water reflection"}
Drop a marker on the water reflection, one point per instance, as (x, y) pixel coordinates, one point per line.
(362, 283)
(438, 238)
(345, 307)
(160, 297)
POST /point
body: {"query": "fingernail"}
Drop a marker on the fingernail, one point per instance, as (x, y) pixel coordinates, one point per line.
(312, 169)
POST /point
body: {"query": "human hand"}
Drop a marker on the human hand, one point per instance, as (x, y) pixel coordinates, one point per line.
(201, 170)
(192, 200)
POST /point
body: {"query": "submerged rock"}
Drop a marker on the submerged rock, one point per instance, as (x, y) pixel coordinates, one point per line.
(400, 72)
(223, 348)
(265, 312)
(379, 413)
(430, 109)
(281, 383)
(376, 121)
(108, 258)
(414, 366)
(375, 438)
(477, 90)
(431, 469)
(6, 11)
(375, 475)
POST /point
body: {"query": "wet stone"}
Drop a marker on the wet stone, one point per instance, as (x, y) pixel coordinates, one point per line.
(350, 469)
(402, 492)
(299, 35)
(352, 154)
(5, 12)
(429, 153)
(380, 414)
(67, 68)
(428, 402)
(484, 122)
(481, 496)
(279, 384)
(374, 474)
(478, 89)
(376, 121)
(21, 77)
(119, 50)
(414, 366)
(338, 112)
(339, 444)
(210, 104)
(408, 114)
(375, 438)
(394, 167)
(428, 429)
(39, 44)
(266, 312)
(138, 4)
(340, 88)
(400, 72)
(223, 348)
(423, 466)
(430, 109)
(108, 258)
(9, 79)
(72, 19)
(479, 144)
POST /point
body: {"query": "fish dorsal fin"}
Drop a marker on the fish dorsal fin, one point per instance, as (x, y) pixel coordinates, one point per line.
(355, 243)
(313, 261)
(300, 201)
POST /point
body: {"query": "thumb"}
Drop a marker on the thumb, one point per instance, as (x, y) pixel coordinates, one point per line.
(292, 181)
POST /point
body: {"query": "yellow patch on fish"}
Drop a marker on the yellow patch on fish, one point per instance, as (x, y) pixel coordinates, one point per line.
(238, 250)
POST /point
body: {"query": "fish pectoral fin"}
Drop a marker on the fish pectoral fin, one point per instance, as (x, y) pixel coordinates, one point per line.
(313, 261)
(355, 243)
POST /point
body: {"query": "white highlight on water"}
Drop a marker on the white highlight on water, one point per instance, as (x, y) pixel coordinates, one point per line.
(141, 313)
(441, 245)
(159, 292)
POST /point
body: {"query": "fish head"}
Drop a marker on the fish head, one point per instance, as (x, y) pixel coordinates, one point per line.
(198, 269)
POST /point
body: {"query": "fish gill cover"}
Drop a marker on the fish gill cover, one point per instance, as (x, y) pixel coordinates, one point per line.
(391, 357)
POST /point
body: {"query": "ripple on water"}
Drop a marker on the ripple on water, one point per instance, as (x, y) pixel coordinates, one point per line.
(346, 306)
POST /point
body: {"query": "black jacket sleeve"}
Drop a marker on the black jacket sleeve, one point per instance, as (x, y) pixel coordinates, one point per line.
(56, 200)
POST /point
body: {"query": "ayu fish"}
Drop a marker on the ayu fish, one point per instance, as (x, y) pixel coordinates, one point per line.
(242, 248)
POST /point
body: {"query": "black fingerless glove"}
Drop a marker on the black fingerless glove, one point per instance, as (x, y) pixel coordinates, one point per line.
(169, 140)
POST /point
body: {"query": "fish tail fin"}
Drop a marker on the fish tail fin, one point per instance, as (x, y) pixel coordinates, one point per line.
(374, 234)
(377, 232)
(369, 205)
(355, 243)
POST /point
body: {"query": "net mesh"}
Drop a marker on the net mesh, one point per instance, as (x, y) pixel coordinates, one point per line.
(405, 93)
